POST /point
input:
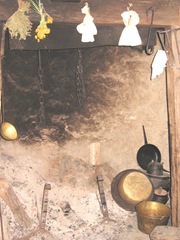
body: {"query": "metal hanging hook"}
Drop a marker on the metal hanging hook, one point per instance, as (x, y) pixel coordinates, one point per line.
(7, 130)
(149, 50)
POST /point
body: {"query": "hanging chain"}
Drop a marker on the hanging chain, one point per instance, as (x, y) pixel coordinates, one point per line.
(41, 89)
(79, 81)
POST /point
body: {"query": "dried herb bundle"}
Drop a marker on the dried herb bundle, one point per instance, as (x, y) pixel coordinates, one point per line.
(19, 24)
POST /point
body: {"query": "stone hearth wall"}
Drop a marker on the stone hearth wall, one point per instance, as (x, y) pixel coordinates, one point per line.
(120, 98)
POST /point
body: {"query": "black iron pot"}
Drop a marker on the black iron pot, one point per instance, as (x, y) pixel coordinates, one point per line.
(160, 195)
(147, 153)
(158, 181)
(155, 168)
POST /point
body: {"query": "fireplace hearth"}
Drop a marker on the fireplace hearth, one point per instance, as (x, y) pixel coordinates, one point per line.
(118, 99)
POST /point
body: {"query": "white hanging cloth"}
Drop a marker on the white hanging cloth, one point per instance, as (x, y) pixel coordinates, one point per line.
(87, 28)
(158, 64)
(130, 35)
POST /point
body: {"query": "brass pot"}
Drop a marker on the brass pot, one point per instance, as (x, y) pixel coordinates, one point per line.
(130, 187)
(8, 131)
(151, 214)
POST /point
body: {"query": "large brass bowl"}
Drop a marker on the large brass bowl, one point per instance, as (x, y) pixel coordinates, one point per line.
(8, 131)
(130, 187)
(151, 214)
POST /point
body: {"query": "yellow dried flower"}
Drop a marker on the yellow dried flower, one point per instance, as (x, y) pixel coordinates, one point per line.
(49, 20)
(42, 30)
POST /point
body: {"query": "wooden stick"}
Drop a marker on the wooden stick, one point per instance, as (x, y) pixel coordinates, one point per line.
(95, 153)
(8, 195)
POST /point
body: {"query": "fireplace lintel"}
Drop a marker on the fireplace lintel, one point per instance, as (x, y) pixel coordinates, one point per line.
(65, 36)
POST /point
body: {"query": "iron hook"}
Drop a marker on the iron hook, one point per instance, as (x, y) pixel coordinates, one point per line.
(149, 50)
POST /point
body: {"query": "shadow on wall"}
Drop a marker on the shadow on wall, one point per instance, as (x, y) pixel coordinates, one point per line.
(61, 102)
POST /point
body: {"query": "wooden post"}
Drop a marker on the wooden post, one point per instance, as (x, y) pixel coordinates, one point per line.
(173, 87)
(95, 158)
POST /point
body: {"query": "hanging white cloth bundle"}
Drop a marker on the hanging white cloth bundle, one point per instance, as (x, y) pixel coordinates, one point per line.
(130, 35)
(158, 64)
(87, 28)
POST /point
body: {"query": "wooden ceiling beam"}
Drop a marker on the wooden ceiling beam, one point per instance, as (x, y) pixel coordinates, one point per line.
(65, 36)
(166, 12)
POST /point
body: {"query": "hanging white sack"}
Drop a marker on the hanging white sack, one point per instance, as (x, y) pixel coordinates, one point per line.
(158, 64)
(130, 35)
(87, 28)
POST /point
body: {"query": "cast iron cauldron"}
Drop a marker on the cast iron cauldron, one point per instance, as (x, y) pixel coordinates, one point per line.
(160, 195)
(159, 178)
(163, 181)
(155, 168)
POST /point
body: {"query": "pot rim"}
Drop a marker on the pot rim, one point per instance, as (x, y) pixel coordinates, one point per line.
(164, 176)
(115, 193)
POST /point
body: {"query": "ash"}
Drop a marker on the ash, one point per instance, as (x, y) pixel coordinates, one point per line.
(73, 208)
